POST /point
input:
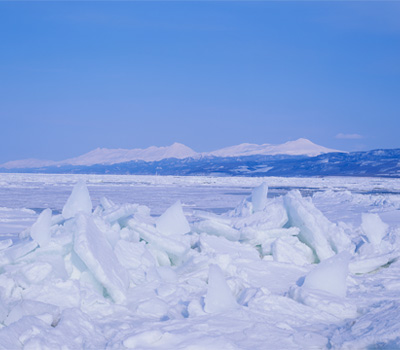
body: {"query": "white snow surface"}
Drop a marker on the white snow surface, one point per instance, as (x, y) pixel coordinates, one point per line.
(309, 269)
(176, 150)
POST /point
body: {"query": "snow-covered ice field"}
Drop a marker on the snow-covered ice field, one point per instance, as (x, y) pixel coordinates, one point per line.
(152, 262)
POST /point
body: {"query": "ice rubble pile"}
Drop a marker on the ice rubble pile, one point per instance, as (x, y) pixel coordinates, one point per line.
(70, 272)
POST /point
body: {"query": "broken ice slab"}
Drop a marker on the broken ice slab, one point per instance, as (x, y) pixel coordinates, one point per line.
(235, 252)
(330, 275)
(133, 255)
(273, 216)
(290, 250)
(320, 300)
(219, 297)
(361, 265)
(373, 227)
(212, 216)
(91, 245)
(117, 213)
(173, 221)
(78, 202)
(48, 313)
(217, 228)
(257, 236)
(176, 246)
(19, 250)
(5, 243)
(321, 235)
(41, 229)
(259, 197)
(325, 287)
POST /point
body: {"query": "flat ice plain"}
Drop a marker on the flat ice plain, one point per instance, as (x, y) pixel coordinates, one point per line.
(153, 262)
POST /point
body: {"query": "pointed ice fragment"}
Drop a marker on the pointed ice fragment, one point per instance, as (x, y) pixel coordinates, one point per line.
(91, 245)
(322, 236)
(78, 201)
(373, 227)
(173, 221)
(259, 197)
(330, 275)
(40, 230)
(219, 297)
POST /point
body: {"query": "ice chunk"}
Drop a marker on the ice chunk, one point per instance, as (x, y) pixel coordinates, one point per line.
(46, 312)
(173, 221)
(75, 330)
(106, 203)
(154, 307)
(290, 250)
(259, 197)
(176, 246)
(211, 216)
(330, 275)
(4, 244)
(133, 255)
(92, 247)
(142, 340)
(216, 228)
(373, 227)
(367, 264)
(110, 231)
(324, 301)
(219, 297)
(159, 255)
(36, 271)
(321, 235)
(64, 294)
(129, 235)
(234, 251)
(78, 201)
(116, 213)
(40, 230)
(17, 251)
(273, 216)
(265, 237)
(17, 334)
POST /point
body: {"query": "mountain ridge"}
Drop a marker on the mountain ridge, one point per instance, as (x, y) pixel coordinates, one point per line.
(375, 163)
(106, 156)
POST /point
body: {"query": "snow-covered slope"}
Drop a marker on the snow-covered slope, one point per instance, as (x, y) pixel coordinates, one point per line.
(294, 148)
(113, 156)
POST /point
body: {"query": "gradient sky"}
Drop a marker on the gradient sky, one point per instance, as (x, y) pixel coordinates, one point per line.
(80, 75)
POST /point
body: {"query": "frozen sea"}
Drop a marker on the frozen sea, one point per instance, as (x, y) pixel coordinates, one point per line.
(167, 262)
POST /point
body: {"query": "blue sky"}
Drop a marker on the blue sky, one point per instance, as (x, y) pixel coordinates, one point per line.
(80, 75)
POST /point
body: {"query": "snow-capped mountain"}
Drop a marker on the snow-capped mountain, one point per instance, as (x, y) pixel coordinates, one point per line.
(107, 156)
(114, 156)
(293, 148)
(110, 156)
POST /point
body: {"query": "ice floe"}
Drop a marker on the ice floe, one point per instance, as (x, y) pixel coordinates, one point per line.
(272, 273)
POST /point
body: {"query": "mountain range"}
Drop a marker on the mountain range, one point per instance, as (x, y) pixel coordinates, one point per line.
(300, 158)
(107, 156)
